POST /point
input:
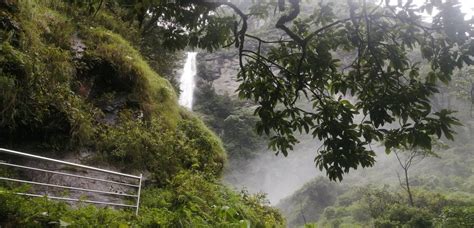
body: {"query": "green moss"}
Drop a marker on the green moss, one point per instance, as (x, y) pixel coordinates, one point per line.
(207, 146)
(43, 85)
(54, 99)
(36, 68)
(45, 90)
(36, 97)
(162, 150)
(155, 94)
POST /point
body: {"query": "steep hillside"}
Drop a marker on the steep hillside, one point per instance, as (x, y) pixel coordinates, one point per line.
(76, 80)
(72, 81)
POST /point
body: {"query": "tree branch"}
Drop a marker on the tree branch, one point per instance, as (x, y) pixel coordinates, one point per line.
(295, 10)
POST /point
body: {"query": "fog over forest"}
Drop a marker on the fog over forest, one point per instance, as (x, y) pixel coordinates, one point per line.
(287, 181)
(237, 113)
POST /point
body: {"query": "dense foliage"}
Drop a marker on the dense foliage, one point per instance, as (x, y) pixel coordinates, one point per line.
(385, 86)
(441, 189)
(82, 76)
(232, 120)
(375, 206)
(373, 42)
(74, 77)
(189, 201)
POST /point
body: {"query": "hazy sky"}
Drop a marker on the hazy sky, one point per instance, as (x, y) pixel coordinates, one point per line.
(466, 6)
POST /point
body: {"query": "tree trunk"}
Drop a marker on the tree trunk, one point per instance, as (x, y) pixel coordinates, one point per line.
(410, 196)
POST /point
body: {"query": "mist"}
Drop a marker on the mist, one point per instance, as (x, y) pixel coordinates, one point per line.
(276, 175)
(279, 177)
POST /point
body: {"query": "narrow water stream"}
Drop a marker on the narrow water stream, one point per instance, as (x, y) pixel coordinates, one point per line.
(187, 82)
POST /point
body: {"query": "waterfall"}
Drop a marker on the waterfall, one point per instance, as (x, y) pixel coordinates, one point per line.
(186, 82)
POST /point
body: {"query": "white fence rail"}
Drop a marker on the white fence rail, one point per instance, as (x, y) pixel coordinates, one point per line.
(137, 186)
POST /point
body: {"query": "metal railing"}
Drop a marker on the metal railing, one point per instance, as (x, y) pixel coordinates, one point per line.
(136, 186)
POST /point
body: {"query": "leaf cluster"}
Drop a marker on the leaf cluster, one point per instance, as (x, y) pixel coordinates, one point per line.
(378, 95)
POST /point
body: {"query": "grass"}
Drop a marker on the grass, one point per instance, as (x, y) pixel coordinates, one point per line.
(156, 95)
(46, 105)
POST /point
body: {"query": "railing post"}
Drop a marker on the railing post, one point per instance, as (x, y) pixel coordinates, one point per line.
(139, 192)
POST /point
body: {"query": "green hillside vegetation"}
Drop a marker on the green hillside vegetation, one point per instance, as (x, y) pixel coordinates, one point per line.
(442, 190)
(441, 184)
(94, 79)
(73, 79)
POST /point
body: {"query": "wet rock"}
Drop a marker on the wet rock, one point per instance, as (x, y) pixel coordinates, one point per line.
(77, 46)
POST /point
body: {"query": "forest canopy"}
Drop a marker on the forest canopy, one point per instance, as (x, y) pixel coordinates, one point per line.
(377, 93)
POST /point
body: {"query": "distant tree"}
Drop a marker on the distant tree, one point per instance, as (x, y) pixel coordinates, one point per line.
(406, 159)
(463, 86)
(231, 120)
(204, 73)
(304, 64)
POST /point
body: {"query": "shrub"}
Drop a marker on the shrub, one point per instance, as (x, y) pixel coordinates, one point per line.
(461, 216)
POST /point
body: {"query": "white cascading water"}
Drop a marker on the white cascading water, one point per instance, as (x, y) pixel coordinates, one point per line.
(186, 82)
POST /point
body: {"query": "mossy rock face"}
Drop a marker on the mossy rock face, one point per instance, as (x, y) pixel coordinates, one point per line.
(69, 82)
(129, 72)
